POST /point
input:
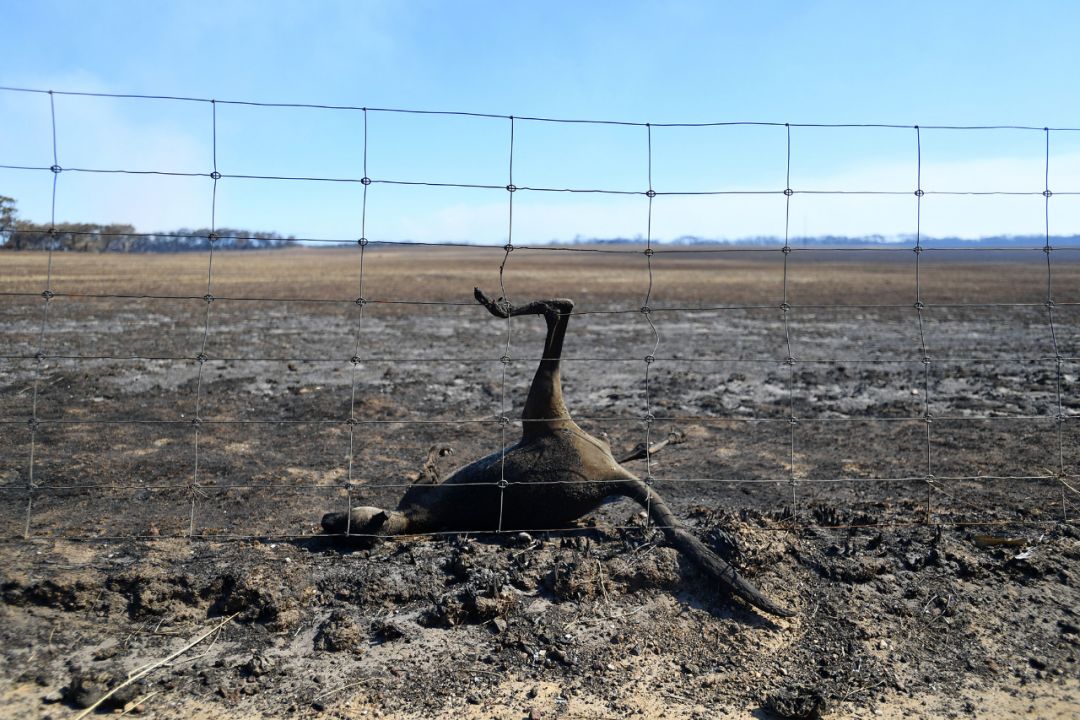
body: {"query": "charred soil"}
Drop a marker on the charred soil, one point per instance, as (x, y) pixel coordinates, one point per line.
(933, 573)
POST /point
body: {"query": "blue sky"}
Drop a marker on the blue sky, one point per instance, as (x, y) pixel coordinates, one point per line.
(931, 63)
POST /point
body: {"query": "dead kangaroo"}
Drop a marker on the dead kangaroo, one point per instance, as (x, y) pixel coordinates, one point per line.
(554, 475)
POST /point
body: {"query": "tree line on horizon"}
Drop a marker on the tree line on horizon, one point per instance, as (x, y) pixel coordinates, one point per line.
(16, 234)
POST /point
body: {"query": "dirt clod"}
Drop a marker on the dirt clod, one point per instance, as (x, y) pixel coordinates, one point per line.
(339, 633)
(87, 685)
(798, 703)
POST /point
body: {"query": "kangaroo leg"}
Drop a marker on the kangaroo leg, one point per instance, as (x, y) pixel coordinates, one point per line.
(544, 410)
(639, 452)
(696, 550)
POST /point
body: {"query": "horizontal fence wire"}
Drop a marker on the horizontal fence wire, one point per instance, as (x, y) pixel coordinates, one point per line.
(673, 480)
(792, 515)
(365, 109)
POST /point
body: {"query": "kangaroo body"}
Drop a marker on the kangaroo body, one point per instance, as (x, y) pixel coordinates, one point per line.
(554, 475)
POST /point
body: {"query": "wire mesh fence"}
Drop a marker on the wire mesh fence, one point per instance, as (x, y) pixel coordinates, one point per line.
(56, 454)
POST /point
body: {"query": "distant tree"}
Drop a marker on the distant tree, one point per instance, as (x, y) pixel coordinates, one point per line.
(7, 218)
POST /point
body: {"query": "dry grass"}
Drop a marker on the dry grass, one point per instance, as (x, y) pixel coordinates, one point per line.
(679, 276)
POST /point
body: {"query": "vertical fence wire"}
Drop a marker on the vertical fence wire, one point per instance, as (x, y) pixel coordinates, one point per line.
(1059, 361)
(920, 307)
(646, 311)
(785, 314)
(504, 419)
(357, 359)
(208, 299)
(46, 297)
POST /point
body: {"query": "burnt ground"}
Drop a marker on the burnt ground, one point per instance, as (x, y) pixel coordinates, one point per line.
(956, 597)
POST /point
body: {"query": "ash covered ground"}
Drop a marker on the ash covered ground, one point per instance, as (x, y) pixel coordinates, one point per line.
(952, 597)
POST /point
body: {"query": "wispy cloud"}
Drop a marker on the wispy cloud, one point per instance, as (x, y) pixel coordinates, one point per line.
(110, 134)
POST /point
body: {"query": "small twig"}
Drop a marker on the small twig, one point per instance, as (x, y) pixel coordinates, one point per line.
(600, 577)
(620, 616)
(645, 548)
(209, 647)
(856, 691)
(340, 689)
(610, 616)
(480, 672)
(532, 546)
(136, 703)
(153, 666)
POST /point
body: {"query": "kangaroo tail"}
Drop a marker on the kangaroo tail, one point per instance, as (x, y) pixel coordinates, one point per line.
(696, 550)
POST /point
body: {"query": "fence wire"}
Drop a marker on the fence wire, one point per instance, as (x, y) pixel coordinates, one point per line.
(795, 517)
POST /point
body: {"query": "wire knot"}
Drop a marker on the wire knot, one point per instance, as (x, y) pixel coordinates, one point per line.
(789, 192)
(200, 358)
(502, 483)
(1047, 193)
(361, 301)
(650, 359)
(48, 294)
(56, 169)
(208, 298)
(215, 176)
(362, 242)
(650, 193)
(919, 193)
(355, 360)
(511, 188)
(365, 180)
